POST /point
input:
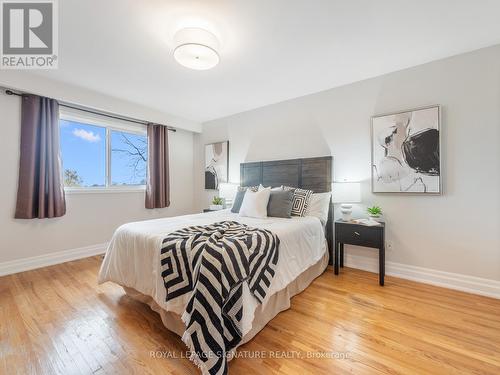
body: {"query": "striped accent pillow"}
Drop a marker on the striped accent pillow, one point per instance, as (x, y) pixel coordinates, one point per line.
(300, 200)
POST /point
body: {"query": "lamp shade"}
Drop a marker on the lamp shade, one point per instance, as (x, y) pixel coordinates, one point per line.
(228, 191)
(346, 192)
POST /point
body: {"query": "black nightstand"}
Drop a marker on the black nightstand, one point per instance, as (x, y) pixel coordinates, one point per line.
(360, 235)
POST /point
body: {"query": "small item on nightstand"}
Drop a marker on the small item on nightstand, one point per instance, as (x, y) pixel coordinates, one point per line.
(217, 204)
(368, 222)
(374, 211)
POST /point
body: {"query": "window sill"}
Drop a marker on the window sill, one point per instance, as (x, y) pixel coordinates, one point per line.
(110, 190)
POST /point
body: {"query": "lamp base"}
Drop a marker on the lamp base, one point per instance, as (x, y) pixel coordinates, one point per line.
(346, 216)
(346, 210)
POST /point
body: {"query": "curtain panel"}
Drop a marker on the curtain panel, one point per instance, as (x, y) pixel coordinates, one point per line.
(158, 183)
(40, 192)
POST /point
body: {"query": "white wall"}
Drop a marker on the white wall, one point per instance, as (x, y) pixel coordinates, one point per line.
(91, 218)
(457, 232)
(29, 82)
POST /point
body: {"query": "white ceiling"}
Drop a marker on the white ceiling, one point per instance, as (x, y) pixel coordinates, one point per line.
(271, 50)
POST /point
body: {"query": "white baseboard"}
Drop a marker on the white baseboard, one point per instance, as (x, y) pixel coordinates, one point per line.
(26, 264)
(465, 283)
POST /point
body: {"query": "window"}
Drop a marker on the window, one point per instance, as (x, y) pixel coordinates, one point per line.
(101, 154)
(129, 155)
(83, 149)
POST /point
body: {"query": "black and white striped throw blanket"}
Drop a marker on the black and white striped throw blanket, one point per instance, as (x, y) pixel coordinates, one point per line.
(211, 263)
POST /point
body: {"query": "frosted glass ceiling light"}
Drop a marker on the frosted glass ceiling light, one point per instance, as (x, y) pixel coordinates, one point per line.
(196, 49)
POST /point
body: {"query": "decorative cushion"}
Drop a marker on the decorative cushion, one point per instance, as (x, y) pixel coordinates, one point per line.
(280, 203)
(300, 200)
(255, 203)
(318, 206)
(238, 199)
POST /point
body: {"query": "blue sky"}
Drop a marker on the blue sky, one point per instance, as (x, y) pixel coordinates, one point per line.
(83, 149)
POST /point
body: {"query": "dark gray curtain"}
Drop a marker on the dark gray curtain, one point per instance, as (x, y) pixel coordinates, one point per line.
(158, 183)
(40, 192)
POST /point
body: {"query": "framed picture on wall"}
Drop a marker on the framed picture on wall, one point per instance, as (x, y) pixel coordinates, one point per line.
(406, 152)
(216, 164)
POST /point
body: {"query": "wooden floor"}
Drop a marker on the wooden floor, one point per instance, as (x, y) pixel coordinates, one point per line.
(58, 320)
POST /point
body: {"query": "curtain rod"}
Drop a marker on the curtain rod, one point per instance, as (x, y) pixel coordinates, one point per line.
(93, 111)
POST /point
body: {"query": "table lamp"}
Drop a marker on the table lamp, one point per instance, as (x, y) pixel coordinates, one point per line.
(346, 193)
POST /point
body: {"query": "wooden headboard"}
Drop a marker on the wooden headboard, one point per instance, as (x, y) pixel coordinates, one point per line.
(309, 173)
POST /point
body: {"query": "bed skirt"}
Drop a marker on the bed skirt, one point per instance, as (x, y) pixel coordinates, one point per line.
(278, 302)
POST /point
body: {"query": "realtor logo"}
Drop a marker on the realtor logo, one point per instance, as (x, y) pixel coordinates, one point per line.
(29, 34)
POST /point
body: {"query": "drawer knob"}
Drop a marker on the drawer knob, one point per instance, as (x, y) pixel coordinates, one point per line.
(357, 234)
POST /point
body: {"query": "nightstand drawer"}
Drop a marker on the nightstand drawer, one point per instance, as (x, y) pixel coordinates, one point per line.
(360, 235)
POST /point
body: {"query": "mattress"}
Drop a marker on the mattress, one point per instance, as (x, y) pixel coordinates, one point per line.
(132, 259)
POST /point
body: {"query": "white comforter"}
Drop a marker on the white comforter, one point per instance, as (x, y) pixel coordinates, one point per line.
(133, 256)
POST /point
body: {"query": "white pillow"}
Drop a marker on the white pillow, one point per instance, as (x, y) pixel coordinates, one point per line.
(318, 206)
(255, 203)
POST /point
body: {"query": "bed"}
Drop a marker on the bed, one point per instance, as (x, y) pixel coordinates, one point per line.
(133, 258)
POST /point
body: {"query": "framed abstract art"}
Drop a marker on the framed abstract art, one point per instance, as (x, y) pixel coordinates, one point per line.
(216, 164)
(406, 152)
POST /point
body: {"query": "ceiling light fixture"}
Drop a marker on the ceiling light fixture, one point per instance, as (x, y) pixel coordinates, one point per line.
(196, 49)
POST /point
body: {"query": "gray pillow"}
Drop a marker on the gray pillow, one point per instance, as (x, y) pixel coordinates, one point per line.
(280, 203)
(238, 200)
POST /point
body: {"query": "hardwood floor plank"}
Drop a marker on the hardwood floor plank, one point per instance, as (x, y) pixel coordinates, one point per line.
(57, 320)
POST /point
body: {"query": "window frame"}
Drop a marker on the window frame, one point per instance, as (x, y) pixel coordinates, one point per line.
(109, 125)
